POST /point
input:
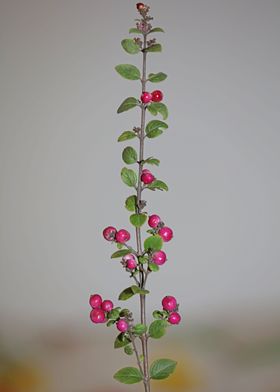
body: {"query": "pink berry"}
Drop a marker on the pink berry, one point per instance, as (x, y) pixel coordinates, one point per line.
(140, 6)
(147, 177)
(131, 264)
(122, 236)
(95, 301)
(109, 233)
(174, 318)
(154, 221)
(146, 97)
(107, 305)
(122, 325)
(128, 257)
(166, 233)
(97, 316)
(157, 96)
(159, 257)
(169, 303)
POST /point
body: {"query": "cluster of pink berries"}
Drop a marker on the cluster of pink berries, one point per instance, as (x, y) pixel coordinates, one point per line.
(155, 96)
(121, 236)
(100, 308)
(169, 304)
(156, 223)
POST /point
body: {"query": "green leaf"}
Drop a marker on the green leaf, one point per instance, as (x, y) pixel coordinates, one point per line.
(158, 107)
(154, 48)
(158, 184)
(158, 77)
(120, 253)
(138, 220)
(129, 155)
(157, 314)
(128, 350)
(143, 259)
(157, 329)
(110, 322)
(130, 291)
(155, 128)
(130, 203)
(124, 312)
(162, 368)
(127, 104)
(157, 30)
(128, 375)
(128, 71)
(152, 161)
(130, 46)
(133, 30)
(139, 329)
(153, 267)
(129, 177)
(119, 245)
(153, 243)
(114, 314)
(126, 135)
(121, 340)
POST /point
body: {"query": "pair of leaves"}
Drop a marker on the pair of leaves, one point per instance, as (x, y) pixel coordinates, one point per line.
(131, 291)
(155, 128)
(156, 108)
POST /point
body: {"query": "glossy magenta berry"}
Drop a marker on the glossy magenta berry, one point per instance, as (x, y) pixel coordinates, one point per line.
(169, 303)
(154, 221)
(131, 264)
(97, 316)
(159, 257)
(95, 301)
(146, 97)
(107, 305)
(166, 233)
(140, 6)
(109, 233)
(122, 325)
(157, 96)
(174, 318)
(147, 177)
(122, 236)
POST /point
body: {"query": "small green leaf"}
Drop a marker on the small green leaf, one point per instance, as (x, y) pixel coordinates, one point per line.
(153, 267)
(130, 291)
(152, 161)
(128, 71)
(162, 368)
(138, 220)
(130, 46)
(128, 375)
(127, 104)
(158, 107)
(154, 133)
(139, 329)
(128, 350)
(154, 48)
(157, 329)
(110, 322)
(143, 259)
(120, 253)
(157, 30)
(130, 203)
(158, 315)
(133, 30)
(126, 135)
(129, 155)
(114, 314)
(158, 77)
(155, 128)
(153, 243)
(121, 340)
(129, 177)
(124, 312)
(119, 245)
(158, 184)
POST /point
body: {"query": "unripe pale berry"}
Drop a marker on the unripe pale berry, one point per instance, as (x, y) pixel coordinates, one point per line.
(97, 316)
(157, 96)
(128, 257)
(109, 233)
(169, 303)
(140, 6)
(146, 97)
(122, 236)
(166, 233)
(147, 177)
(107, 305)
(122, 325)
(159, 257)
(174, 318)
(131, 264)
(154, 221)
(95, 301)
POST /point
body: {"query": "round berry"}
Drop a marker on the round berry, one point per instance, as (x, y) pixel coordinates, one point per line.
(131, 264)
(154, 221)
(122, 325)
(128, 257)
(159, 257)
(95, 301)
(146, 97)
(157, 96)
(97, 316)
(147, 177)
(166, 233)
(174, 318)
(140, 6)
(169, 303)
(122, 236)
(107, 305)
(109, 233)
